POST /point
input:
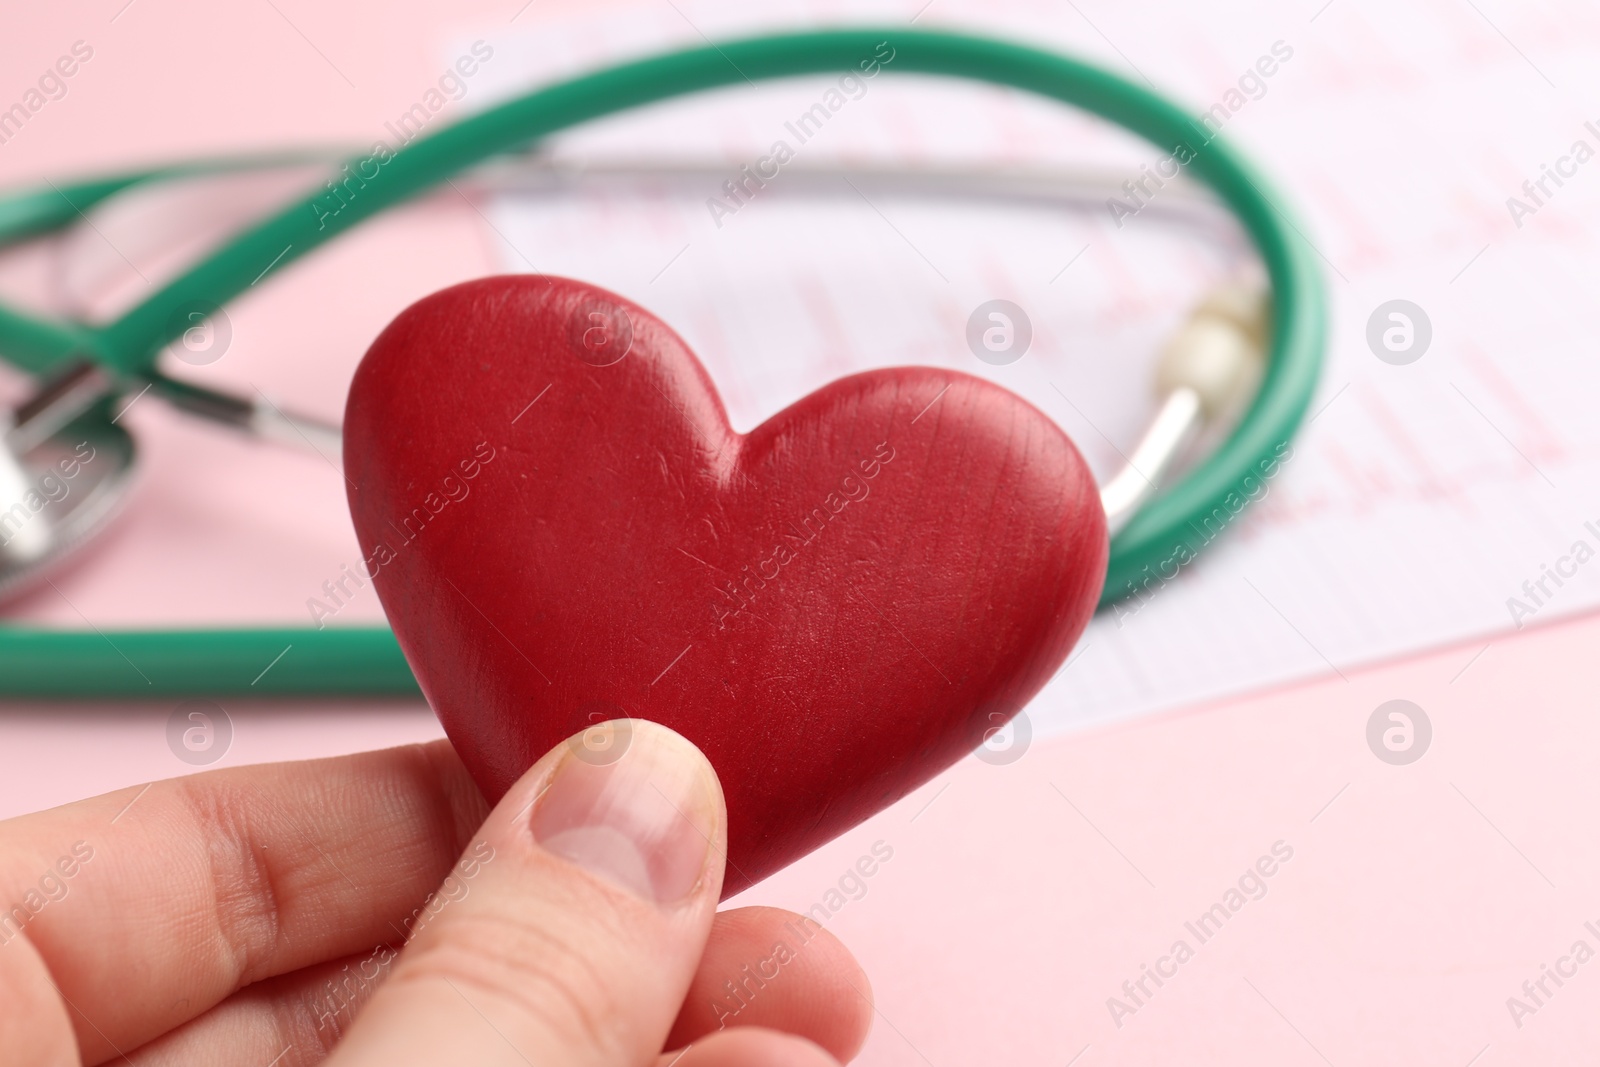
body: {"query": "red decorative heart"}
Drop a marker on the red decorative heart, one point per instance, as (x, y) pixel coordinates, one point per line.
(563, 529)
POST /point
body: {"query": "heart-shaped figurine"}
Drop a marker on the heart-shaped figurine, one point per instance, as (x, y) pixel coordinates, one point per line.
(564, 529)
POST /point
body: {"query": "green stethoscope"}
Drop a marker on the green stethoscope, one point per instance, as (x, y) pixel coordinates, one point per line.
(86, 369)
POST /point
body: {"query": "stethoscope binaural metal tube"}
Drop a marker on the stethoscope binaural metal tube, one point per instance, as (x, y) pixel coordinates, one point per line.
(67, 395)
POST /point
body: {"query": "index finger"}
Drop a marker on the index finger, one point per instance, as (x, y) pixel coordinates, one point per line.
(184, 891)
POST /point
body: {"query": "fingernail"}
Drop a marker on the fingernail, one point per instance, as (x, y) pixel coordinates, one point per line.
(641, 821)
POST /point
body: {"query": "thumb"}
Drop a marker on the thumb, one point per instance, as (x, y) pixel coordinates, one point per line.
(576, 919)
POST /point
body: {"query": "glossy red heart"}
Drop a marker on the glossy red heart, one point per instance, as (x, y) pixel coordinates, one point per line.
(564, 529)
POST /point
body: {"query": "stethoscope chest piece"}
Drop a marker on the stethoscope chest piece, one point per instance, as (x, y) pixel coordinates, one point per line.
(60, 485)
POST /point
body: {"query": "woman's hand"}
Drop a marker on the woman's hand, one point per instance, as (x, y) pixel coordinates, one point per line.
(372, 910)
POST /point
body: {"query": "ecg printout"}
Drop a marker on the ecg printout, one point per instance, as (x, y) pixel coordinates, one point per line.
(1419, 498)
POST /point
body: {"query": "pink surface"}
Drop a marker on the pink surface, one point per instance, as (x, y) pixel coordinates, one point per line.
(1418, 898)
(1019, 898)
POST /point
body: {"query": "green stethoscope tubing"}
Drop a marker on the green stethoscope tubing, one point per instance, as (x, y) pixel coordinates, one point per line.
(366, 660)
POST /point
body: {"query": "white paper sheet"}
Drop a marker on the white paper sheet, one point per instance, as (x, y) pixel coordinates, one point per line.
(1419, 499)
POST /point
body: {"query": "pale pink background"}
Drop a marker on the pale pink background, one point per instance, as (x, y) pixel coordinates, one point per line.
(1019, 898)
